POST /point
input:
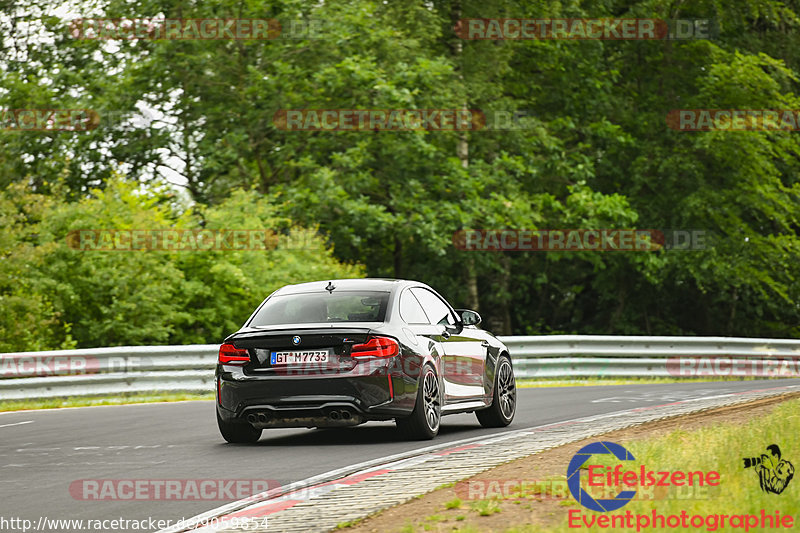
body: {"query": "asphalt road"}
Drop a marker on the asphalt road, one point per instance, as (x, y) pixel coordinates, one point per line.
(43, 452)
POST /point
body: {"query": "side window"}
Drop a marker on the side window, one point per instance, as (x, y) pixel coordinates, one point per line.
(410, 310)
(434, 307)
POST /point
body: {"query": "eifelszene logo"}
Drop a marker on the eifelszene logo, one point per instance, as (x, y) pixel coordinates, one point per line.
(611, 478)
(774, 473)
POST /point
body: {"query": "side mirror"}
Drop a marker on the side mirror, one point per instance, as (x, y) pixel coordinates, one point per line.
(468, 317)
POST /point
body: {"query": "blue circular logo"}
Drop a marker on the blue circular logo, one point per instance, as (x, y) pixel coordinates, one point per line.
(296, 340)
(574, 477)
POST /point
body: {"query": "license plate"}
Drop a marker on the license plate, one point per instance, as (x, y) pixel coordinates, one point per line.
(299, 357)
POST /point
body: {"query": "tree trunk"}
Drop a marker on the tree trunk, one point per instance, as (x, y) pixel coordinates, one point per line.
(462, 151)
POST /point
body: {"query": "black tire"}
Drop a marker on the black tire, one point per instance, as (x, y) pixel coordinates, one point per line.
(238, 433)
(504, 403)
(423, 424)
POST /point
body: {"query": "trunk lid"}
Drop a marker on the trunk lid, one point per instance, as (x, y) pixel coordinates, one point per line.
(306, 341)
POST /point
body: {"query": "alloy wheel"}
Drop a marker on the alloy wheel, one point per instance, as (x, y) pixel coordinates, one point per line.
(432, 402)
(507, 389)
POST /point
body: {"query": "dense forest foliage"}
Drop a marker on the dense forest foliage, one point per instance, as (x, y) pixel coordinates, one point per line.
(187, 139)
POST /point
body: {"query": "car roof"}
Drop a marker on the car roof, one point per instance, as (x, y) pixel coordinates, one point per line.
(365, 284)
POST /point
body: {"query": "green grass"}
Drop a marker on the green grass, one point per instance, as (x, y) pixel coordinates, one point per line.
(84, 401)
(485, 507)
(717, 448)
(594, 381)
(455, 503)
(349, 523)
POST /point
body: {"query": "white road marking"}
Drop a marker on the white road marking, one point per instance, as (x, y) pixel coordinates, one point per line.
(670, 396)
(86, 463)
(17, 423)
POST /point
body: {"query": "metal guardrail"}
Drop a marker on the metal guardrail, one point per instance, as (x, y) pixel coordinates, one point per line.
(107, 371)
(111, 371)
(566, 356)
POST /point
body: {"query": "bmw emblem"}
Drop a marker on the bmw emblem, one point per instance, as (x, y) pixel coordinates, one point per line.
(296, 340)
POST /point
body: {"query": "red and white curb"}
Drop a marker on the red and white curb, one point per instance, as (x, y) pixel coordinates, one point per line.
(322, 502)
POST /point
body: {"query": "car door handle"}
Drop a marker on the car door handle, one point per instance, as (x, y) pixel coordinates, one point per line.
(446, 334)
(485, 344)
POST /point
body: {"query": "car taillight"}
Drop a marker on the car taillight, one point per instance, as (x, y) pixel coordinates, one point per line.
(376, 347)
(231, 355)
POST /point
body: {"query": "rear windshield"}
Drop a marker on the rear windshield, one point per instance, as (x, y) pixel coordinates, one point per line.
(338, 306)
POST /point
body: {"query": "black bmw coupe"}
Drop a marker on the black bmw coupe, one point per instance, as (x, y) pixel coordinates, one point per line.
(344, 352)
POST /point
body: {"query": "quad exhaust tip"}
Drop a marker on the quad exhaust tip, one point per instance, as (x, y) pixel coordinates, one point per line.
(334, 415)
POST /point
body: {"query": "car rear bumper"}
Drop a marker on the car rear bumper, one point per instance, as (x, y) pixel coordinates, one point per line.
(266, 401)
